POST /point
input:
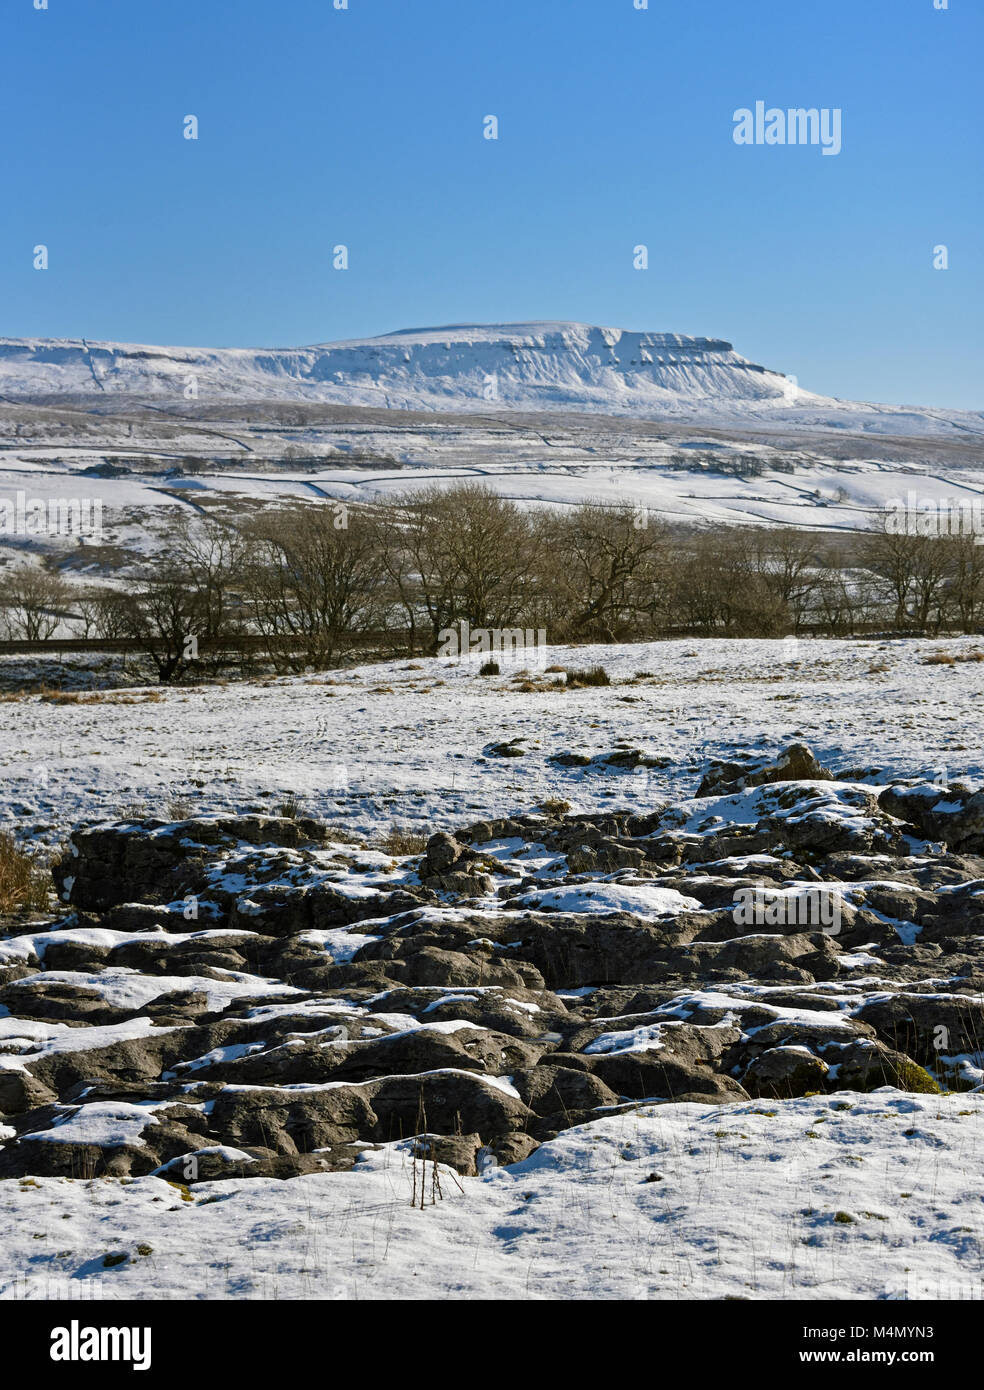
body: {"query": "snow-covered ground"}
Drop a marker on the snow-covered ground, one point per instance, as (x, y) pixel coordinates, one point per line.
(822, 494)
(408, 742)
(831, 1197)
(846, 1195)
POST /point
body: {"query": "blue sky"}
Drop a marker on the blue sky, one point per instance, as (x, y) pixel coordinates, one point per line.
(364, 127)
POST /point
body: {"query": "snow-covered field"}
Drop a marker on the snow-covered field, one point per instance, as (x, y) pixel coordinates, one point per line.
(835, 1197)
(779, 473)
(843, 1195)
(821, 493)
(405, 741)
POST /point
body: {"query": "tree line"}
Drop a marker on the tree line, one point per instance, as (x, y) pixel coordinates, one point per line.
(298, 584)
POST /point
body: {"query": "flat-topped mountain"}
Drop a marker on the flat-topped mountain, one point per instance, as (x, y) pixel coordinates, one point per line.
(572, 367)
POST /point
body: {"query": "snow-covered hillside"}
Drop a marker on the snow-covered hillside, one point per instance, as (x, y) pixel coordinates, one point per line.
(472, 368)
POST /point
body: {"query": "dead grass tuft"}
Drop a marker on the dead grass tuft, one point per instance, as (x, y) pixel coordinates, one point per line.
(24, 883)
(593, 675)
(401, 841)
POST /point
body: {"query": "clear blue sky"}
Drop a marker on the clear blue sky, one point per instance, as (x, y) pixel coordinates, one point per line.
(364, 126)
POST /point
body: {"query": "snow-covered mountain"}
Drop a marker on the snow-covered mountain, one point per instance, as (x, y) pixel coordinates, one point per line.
(472, 368)
(567, 365)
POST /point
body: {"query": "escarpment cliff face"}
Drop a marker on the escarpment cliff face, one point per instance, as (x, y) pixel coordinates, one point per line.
(258, 996)
(476, 369)
(541, 365)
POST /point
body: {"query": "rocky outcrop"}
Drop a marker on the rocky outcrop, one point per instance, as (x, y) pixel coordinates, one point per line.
(241, 996)
(795, 764)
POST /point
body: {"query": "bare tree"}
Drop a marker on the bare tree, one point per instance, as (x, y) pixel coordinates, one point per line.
(163, 616)
(214, 556)
(606, 563)
(891, 556)
(316, 577)
(724, 585)
(455, 553)
(33, 601)
(88, 607)
(931, 582)
(967, 581)
(787, 559)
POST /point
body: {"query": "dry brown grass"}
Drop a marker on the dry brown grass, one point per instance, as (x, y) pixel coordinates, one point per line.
(951, 658)
(49, 695)
(24, 884)
(98, 697)
(29, 692)
(593, 675)
(401, 841)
